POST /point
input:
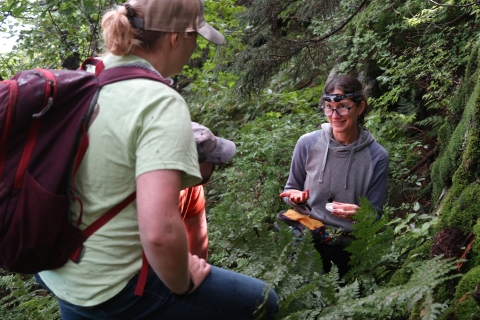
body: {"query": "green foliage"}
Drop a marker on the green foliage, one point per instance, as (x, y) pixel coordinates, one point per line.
(383, 303)
(419, 63)
(224, 111)
(56, 34)
(245, 200)
(287, 35)
(371, 254)
(202, 70)
(445, 167)
(459, 161)
(402, 275)
(425, 59)
(382, 246)
(475, 253)
(463, 213)
(465, 306)
(21, 298)
(404, 153)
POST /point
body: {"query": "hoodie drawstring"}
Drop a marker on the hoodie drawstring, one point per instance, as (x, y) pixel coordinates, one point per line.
(348, 166)
(322, 172)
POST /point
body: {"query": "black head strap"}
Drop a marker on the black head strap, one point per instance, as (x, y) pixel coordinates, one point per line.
(330, 97)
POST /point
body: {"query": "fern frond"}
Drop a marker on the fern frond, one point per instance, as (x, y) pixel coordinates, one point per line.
(432, 121)
(428, 275)
(25, 300)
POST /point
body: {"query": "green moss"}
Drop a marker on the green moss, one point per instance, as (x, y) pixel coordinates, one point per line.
(465, 210)
(461, 207)
(459, 181)
(465, 307)
(447, 163)
(445, 291)
(438, 184)
(472, 155)
(446, 208)
(463, 137)
(474, 257)
(462, 213)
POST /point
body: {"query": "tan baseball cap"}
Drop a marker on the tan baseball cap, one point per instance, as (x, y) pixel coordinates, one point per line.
(176, 16)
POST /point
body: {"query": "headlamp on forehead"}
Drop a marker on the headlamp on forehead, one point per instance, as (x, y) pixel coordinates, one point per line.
(330, 97)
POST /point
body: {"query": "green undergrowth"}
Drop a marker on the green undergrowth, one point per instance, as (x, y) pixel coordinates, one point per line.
(21, 298)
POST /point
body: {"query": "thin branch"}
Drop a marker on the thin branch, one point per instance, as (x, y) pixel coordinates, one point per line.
(281, 10)
(453, 5)
(5, 63)
(419, 164)
(423, 133)
(450, 22)
(341, 26)
(59, 30)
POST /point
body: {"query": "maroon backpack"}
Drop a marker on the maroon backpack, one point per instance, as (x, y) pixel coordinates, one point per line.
(43, 122)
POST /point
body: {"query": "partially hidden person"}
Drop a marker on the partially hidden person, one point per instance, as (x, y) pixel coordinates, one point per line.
(211, 150)
(333, 167)
(141, 141)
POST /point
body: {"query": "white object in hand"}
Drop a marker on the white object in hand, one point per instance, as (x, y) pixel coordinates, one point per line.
(329, 206)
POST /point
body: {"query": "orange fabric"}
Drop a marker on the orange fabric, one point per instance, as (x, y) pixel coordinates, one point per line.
(192, 202)
(310, 223)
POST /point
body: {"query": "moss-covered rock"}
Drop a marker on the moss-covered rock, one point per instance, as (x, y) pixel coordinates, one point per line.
(465, 210)
(459, 147)
(474, 257)
(464, 306)
(457, 171)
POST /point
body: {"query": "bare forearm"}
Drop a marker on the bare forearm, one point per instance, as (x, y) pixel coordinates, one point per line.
(167, 254)
(162, 233)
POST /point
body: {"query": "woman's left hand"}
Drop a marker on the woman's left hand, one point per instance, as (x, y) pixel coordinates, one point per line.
(344, 210)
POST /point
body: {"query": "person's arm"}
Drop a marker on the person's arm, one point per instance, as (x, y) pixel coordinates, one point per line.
(377, 189)
(297, 175)
(162, 233)
(197, 234)
(294, 193)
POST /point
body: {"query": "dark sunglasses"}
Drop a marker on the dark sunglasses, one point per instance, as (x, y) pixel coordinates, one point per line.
(330, 97)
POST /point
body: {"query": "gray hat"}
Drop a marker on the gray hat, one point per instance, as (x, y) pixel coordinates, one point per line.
(211, 148)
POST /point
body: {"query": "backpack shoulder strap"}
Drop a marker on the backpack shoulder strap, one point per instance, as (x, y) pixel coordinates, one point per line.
(99, 66)
(100, 222)
(122, 72)
(8, 122)
(108, 76)
(127, 72)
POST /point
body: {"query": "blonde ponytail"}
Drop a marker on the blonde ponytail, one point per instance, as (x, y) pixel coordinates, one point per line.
(118, 33)
(121, 37)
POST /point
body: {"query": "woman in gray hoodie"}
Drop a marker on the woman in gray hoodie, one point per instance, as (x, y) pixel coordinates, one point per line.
(334, 166)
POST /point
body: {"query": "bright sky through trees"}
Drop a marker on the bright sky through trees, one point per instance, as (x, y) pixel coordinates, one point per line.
(6, 43)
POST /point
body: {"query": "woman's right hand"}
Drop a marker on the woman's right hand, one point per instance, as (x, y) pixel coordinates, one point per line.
(199, 270)
(296, 196)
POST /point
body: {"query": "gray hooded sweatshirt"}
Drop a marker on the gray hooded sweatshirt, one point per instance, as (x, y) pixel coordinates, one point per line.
(337, 172)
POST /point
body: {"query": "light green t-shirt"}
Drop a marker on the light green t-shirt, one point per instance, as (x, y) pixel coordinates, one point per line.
(141, 126)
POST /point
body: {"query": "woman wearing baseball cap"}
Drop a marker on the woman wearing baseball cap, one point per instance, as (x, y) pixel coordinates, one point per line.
(141, 141)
